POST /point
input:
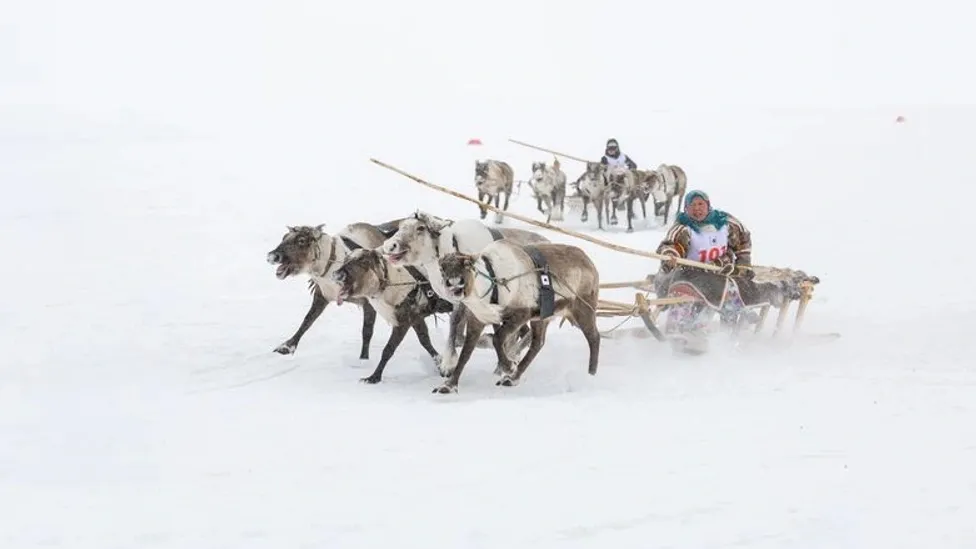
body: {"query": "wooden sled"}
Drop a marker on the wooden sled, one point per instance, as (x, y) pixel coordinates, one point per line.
(648, 309)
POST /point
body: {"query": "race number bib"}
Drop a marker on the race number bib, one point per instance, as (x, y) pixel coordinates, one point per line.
(709, 244)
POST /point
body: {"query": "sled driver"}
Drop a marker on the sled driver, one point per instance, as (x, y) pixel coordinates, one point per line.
(612, 157)
(702, 233)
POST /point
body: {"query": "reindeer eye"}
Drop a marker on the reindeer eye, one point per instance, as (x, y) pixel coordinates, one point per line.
(421, 229)
(302, 241)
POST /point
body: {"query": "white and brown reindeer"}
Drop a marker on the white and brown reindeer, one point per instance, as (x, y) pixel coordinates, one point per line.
(549, 187)
(592, 187)
(509, 285)
(402, 296)
(308, 250)
(492, 178)
(422, 239)
(667, 182)
(623, 187)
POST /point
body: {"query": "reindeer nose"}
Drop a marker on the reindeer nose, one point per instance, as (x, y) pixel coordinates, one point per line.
(274, 257)
(455, 281)
(339, 276)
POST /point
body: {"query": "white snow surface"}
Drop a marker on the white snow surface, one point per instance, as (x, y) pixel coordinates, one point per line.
(141, 404)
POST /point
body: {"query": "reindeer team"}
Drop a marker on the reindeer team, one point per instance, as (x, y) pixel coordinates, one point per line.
(516, 280)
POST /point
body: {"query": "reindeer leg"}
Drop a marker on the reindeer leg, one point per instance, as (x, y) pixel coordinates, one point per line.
(396, 337)
(630, 214)
(481, 208)
(598, 206)
(538, 328)
(369, 323)
(318, 305)
(456, 324)
(509, 327)
(513, 346)
(586, 321)
(586, 212)
(472, 333)
(423, 336)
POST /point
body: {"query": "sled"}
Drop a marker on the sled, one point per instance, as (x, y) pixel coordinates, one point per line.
(648, 309)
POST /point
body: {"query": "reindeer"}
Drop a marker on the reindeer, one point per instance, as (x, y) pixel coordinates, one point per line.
(624, 187)
(492, 178)
(549, 186)
(310, 251)
(592, 187)
(506, 285)
(668, 182)
(423, 239)
(402, 296)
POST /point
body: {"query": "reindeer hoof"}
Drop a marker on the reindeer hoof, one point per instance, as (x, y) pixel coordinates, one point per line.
(507, 381)
(285, 348)
(630, 229)
(444, 389)
(372, 380)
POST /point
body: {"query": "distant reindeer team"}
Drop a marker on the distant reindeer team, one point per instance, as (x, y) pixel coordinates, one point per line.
(516, 280)
(608, 187)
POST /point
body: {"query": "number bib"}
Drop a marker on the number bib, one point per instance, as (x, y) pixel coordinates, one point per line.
(708, 245)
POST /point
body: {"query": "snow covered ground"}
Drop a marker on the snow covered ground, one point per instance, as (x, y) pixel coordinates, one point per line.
(141, 405)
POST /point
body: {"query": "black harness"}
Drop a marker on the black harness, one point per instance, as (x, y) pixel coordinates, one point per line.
(495, 235)
(547, 295)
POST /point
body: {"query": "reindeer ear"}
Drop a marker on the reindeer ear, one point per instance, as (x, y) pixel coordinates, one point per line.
(291, 229)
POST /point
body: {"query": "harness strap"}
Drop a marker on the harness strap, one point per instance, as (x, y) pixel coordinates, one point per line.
(491, 277)
(547, 294)
(328, 262)
(495, 234)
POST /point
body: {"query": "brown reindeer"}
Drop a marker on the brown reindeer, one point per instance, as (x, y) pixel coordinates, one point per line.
(506, 285)
(401, 295)
(492, 178)
(310, 251)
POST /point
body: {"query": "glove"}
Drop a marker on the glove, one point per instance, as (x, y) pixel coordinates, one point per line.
(671, 261)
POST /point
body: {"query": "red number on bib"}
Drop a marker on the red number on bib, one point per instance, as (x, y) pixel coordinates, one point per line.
(710, 254)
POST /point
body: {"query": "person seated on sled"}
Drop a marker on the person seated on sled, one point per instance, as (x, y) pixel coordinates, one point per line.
(704, 234)
(613, 158)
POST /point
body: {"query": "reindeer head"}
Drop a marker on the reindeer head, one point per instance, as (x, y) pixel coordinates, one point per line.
(618, 182)
(457, 270)
(298, 250)
(415, 242)
(362, 274)
(480, 171)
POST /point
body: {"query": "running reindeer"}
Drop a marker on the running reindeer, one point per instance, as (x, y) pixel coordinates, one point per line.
(402, 296)
(592, 187)
(666, 183)
(624, 186)
(549, 187)
(509, 285)
(492, 178)
(422, 239)
(311, 251)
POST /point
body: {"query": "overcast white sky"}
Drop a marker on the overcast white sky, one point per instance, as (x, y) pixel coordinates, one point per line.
(213, 63)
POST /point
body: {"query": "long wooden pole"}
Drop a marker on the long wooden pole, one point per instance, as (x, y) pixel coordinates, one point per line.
(529, 220)
(550, 151)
